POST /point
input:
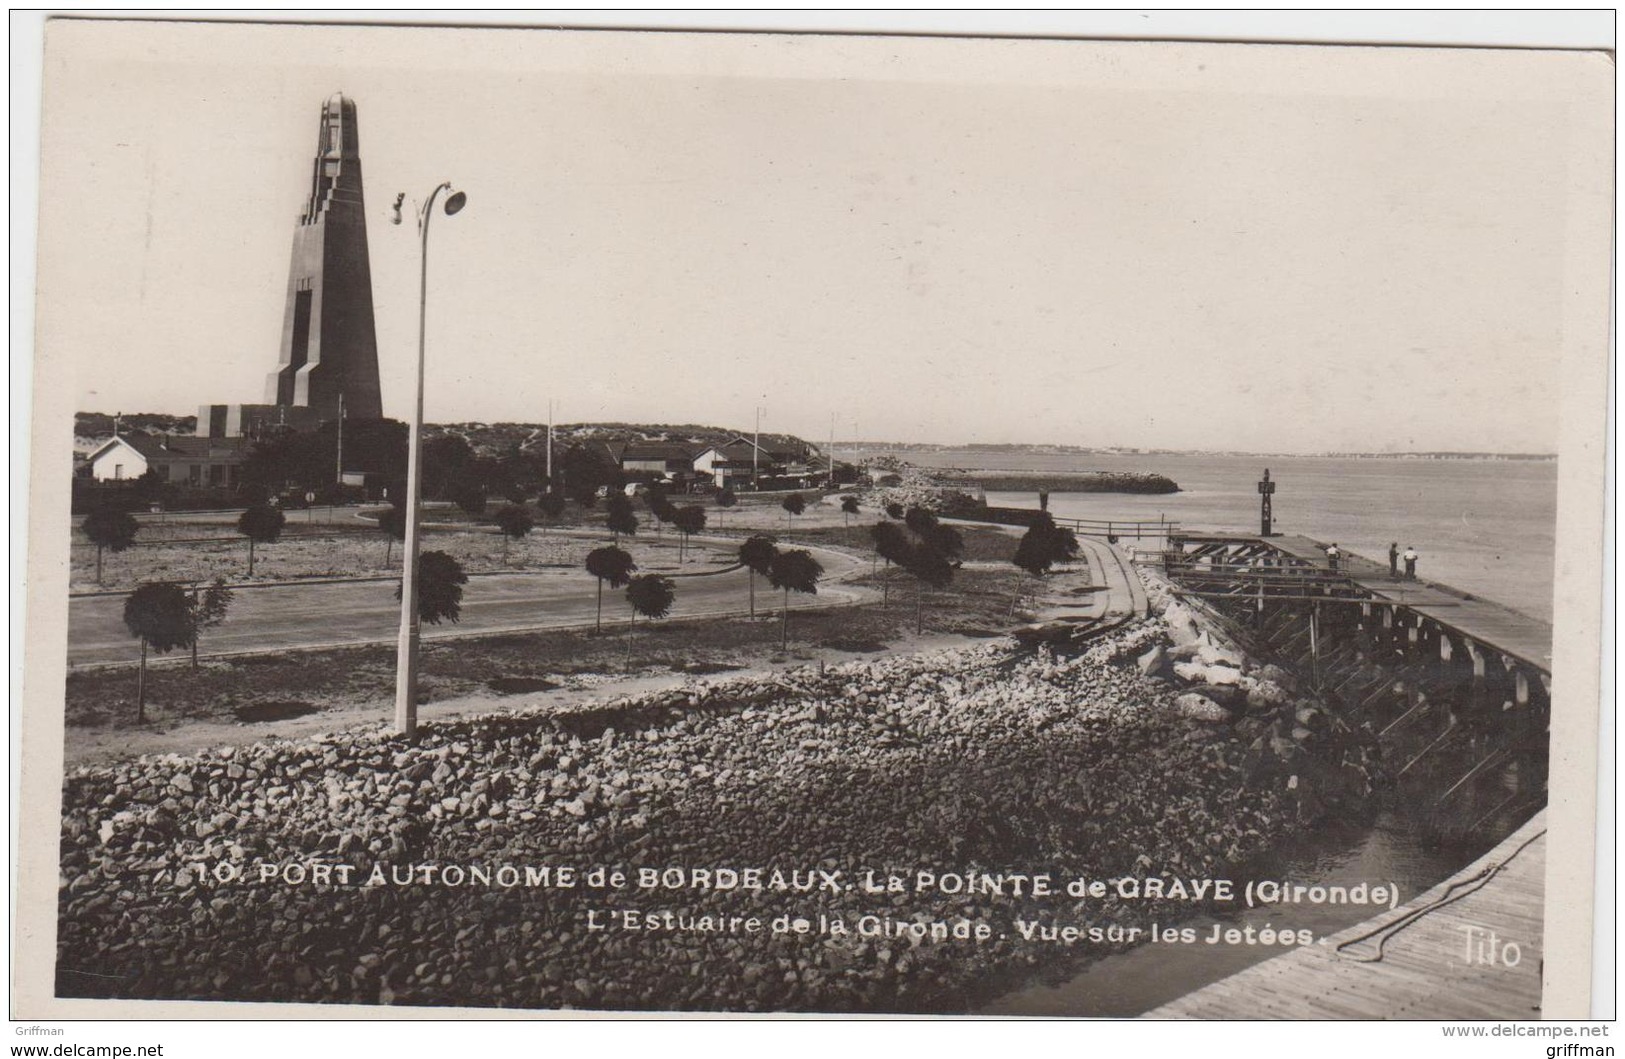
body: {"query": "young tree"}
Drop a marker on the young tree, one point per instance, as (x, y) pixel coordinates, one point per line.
(793, 571)
(610, 564)
(726, 498)
(583, 467)
(660, 506)
(894, 510)
(551, 505)
(793, 505)
(109, 528)
(849, 507)
(931, 557)
(450, 465)
(929, 567)
(209, 607)
(470, 496)
(514, 522)
(151, 489)
(757, 554)
(261, 524)
(650, 595)
(393, 524)
(892, 545)
(920, 521)
(689, 519)
(930, 533)
(511, 476)
(1041, 547)
(160, 615)
(619, 517)
(946, 541)
(440, 588)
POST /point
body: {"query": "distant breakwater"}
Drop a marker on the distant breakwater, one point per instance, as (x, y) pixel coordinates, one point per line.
(1064, 481)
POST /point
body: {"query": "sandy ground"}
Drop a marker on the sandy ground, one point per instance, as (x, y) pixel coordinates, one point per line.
(341, 542)
(316, 554)
(100, 746)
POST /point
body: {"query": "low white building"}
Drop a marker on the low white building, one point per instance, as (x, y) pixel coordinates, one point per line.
(179, 459)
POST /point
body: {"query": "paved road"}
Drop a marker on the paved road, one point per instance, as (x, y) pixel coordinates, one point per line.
(309, 615)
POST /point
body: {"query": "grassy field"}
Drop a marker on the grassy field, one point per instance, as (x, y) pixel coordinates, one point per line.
(258, 687)
(335, 552)
(194, 551)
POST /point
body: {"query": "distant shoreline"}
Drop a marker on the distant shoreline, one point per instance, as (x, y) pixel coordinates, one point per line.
(871, 448)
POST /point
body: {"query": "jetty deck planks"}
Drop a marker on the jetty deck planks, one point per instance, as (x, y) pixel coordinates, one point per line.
(1435, 968)
(1499, 626)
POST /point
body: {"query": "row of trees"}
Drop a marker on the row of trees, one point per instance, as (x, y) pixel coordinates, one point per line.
(921, 546)
(165, 615)
(687, 519)
(169, 615)
(792, 570)
(651, 595)
(303, 462)
(114, 530)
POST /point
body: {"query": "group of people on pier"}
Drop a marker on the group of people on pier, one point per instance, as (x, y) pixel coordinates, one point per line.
(1334, 555)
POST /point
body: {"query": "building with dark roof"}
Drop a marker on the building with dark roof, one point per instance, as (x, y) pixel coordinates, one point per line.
(664, 458)
(176, 458)
(734, 464)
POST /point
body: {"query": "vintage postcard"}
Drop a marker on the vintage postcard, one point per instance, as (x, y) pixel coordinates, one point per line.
(532, 521)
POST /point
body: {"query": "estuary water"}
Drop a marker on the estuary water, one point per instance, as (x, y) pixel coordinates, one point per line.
(1122, 985)
(1486, 526)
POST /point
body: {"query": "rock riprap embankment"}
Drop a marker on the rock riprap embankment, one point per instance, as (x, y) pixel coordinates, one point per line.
(944, 763)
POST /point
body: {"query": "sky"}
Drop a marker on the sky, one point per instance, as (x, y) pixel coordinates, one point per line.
(1279, 249)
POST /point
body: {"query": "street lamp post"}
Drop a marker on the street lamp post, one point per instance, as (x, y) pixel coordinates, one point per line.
(406, 655)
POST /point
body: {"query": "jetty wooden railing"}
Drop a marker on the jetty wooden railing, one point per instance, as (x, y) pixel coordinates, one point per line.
(1117, 529)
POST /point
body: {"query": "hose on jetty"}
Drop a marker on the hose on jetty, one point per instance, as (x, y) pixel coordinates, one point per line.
(1450, 896)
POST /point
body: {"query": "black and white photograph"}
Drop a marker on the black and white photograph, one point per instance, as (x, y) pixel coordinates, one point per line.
(560, 521)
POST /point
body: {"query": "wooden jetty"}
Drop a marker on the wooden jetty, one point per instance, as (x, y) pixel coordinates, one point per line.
(1431, 958)
(1442, 679)
(1486, 621)
(1281, 593)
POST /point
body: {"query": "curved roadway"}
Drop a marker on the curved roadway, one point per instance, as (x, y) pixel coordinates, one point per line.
(283, 616)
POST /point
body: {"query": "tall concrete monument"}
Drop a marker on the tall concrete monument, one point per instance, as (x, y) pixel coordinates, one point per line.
(328, 344)
(329, 353)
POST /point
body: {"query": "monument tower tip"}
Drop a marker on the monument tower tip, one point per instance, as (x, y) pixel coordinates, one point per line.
(328, 363)
(329, 343)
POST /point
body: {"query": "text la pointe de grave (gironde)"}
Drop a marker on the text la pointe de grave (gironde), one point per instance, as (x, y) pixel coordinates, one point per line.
(674, 879)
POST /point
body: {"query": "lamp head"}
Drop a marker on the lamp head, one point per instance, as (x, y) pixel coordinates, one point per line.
(396, 218)
(456, 201)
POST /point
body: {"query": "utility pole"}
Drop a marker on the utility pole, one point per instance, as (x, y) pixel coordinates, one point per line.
(831, 454)
(340, 470)
(756, 453)
(550, 404)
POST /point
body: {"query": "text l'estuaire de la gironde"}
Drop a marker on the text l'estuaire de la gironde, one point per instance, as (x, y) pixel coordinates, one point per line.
(1029, 888)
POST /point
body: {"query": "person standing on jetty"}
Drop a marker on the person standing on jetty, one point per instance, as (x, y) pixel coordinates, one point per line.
(1410, 562)
(1331, 556)
(1393, 561)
